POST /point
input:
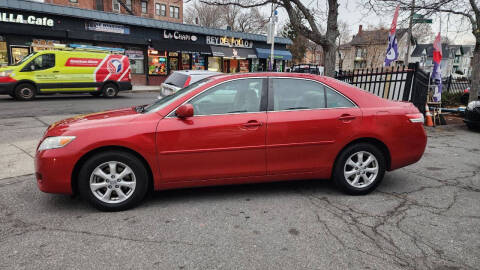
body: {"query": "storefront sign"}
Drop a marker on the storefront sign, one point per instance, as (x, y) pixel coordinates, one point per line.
(22, 19)
(229, 42)
(179, 36)
(107, 27)
(134, 54)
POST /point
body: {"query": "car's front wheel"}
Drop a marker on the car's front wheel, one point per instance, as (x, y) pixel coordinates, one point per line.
(25, 91)
(113, 181)
(359, 169)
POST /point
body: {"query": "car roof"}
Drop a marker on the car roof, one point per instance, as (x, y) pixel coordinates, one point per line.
(197, 72)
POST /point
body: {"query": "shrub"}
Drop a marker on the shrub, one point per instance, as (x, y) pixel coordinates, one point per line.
(451, 99)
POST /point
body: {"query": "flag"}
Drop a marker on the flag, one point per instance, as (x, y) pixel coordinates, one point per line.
(437, 72)
(392, 49)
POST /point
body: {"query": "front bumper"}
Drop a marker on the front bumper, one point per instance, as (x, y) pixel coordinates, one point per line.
(7, 88)
(53, 170)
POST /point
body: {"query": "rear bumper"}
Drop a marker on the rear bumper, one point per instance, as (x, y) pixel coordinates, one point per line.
(124, 86)
(7, 88)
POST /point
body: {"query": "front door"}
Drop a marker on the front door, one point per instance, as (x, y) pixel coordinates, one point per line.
(43, 71)
(306, 120)
(225, 138)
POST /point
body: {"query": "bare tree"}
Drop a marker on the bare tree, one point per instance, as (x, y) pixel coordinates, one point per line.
(221, 16)
(298, 47)
(305, 20)
(203, 15)
(468, 10)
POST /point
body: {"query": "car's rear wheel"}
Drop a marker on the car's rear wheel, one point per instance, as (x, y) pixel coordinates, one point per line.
(113, 181)
(25, 91)
(110, 90)
(359, 169)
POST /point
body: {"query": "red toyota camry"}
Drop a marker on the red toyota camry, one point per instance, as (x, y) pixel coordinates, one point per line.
(232, 129)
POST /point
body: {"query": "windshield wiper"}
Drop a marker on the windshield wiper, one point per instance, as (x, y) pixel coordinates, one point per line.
(140, 109)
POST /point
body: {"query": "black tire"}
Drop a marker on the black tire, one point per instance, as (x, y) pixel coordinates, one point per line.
(109, 90)
(139, 171)
(25, 91)
(340, 165)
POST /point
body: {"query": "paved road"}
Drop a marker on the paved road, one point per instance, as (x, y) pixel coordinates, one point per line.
(425, 216)
(70, 104)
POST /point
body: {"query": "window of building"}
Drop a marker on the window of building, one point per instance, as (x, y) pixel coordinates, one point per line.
(163, 10)
(160, 9)
(239, 96)
(129, 4)
(144, 7)
(361, 52)
(115, 6)
(73, 1)
(174, 12)
(3, 53)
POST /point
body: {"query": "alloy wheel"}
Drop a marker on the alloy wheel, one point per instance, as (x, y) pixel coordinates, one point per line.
(112, 182)
(361, 169)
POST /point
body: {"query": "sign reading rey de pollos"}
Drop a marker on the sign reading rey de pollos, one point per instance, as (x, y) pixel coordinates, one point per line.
(229, 42)
(25, 19)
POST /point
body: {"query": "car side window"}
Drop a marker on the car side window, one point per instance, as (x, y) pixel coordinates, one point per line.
(335, 100)
(41, 62)
(297, 94)
(238, 96)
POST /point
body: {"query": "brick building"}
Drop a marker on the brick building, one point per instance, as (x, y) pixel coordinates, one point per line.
(166, 10)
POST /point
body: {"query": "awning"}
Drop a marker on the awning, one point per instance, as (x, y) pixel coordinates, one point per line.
(180, 46)
(277, 54)
(236, 53)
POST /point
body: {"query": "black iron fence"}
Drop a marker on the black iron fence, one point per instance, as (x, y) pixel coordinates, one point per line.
(395, 83)
(456, 85)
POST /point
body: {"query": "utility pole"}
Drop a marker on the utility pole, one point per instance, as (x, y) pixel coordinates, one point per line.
(410, 25)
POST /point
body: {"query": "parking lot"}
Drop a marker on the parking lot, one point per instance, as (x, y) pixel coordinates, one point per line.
(424, 216)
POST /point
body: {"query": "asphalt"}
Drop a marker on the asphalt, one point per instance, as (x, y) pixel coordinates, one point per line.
(424, 216)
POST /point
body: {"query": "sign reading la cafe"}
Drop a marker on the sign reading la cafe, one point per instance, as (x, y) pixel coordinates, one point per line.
(23, 19)
(229, 42)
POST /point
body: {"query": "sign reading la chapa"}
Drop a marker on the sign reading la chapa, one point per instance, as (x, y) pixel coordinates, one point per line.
(178, 36)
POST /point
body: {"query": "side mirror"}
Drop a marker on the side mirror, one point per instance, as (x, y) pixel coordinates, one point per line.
(184, 111)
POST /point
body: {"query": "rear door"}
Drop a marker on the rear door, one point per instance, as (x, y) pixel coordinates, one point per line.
(306, 124)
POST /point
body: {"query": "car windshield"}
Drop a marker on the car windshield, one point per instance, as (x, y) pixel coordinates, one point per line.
(24, 59)
(162, 103)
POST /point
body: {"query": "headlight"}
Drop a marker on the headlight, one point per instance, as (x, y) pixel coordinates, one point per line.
(473, 104)
(6, 73)
(55, 142)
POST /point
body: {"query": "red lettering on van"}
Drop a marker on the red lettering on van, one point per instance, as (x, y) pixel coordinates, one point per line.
(82, 62)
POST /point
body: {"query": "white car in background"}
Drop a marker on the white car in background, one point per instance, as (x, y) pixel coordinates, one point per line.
(183, 78)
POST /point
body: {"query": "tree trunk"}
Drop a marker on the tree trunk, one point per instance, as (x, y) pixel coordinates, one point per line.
(329, 52)
(475, 87)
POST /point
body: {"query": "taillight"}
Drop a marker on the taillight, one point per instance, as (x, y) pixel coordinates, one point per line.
(416, 118)
(187, 82)
(466, 90)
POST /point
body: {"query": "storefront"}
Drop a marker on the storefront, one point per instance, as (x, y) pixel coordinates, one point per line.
(155, 48)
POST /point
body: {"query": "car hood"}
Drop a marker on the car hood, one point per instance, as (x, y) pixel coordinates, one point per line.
(103, 119)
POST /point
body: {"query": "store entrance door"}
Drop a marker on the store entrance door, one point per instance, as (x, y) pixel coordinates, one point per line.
(17, 53)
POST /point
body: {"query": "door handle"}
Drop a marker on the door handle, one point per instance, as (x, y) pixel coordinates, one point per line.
(346, 117)
(252, 123)
(56, 71)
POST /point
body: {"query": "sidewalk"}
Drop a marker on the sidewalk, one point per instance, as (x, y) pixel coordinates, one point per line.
(145, 88)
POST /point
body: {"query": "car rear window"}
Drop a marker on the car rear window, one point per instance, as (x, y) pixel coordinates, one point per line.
(177, 79)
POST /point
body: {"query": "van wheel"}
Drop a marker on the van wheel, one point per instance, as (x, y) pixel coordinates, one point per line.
(359, 169)
(25, 91)
(110, 90)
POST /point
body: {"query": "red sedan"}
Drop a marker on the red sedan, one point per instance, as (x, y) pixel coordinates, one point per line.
(232, 129)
